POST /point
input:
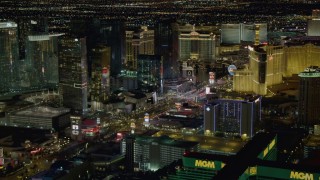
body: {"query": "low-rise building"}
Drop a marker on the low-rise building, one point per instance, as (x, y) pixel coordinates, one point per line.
(41, 117)
(153, 153)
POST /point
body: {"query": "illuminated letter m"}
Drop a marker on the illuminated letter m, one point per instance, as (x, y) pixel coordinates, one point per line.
(300, 175)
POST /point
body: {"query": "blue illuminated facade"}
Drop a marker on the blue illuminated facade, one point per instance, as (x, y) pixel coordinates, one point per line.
(232, 116)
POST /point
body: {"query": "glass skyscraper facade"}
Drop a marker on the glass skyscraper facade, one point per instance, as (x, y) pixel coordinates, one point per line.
(235, 33)
(113, 35)
(149, 71)
(73, 72)
(42, 61)
(100, 73)
(8, 56)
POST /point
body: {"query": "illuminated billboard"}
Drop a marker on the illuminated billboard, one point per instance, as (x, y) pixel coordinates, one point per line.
(146, 117)
(75, 124)
(105, 72)
(202, 163)
(212, 77)
(281, 173)
(231, 69)
(208, 90)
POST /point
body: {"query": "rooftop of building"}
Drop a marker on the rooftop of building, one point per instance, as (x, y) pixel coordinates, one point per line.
(303, 40)
(165, 140)
(217, 144)
(134, 94)
(246, 156)
(42, 111)
(312, 71)
(312, 140)
(238, 96)
(50, 174)
(301, 167)
(8, 24)
(106, 149)
(202, 156)
(260, 48)
(57, 170)
(178, 120)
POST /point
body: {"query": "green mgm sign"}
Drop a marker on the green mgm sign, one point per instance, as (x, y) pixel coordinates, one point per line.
(279, 173)
(202, 163)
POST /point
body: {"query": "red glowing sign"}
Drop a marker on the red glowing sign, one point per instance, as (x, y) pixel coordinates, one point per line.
(35, 151)
(105, 72)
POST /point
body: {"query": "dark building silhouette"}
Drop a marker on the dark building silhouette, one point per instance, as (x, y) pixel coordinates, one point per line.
(73, 72)
(309, 97)
(149, 71)
(112, 34)
(164, 46)
(129, 156)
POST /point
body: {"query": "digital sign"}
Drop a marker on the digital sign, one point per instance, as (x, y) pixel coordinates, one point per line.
(202, 163)
(301, 175)
(283, 173)
(105, 72)
(208, 90)
(212, 77)
(231, 69)
(146, 117)
(75, 124)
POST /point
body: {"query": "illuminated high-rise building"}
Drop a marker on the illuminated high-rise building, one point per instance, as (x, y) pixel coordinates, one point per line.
(8, 56)
(138, 42)
(309, 97)
(27, 27)
(258, 65)
(314, 23)
(73, 72)
(164, 47)
(256, 33)
(266, 68)
(235, 33)
(313, 27)
(197, 46)
(100, 73)
(129, 79)
(148, 72)
(113, 35)
(42, 61)
(232, 115)
(301, 55)
(230, 33)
